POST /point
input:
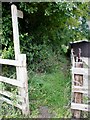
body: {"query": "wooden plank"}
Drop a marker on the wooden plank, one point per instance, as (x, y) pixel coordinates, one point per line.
(11, 81)
(10, 95)
(12, 62)
(15, 31)
(19, 14)
(80, 71)
(10, 102)
(78, 63)
(83, 107)
(79, 89)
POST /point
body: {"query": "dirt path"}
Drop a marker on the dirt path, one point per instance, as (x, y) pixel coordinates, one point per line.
(44, 113)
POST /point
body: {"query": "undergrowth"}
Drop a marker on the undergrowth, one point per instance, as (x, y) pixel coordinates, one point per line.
(51, 89)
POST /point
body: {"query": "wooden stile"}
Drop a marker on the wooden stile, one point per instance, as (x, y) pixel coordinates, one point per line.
(79, 85)
(22, 83)
(78, 81)
(20, 63)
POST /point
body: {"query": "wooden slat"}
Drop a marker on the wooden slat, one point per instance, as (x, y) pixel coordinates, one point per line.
(19, 14)
(10, 95)
(78, 62)
(11, 62)
(10, 102)
(11, 81)
(83, 107)
(79, 89)
(80, 71)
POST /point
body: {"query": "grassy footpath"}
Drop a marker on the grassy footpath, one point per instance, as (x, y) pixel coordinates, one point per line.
(52, 90)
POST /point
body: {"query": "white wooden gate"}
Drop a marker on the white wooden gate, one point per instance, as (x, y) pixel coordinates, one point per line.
(21, 80)
(80, 86)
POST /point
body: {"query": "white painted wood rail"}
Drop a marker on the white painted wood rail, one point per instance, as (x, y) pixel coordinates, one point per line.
(80, 85)
(21, 81)
(12, 62)
(83, 107)
(80, 71)
(10, 102)
(79, 89)
(11, 81)
(10, 95)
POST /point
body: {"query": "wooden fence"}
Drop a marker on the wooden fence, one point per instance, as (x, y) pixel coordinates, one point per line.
(80, 86)
(21, 81)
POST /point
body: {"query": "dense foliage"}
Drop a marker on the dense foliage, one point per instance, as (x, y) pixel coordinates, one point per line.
(46, 27)
(45, 33)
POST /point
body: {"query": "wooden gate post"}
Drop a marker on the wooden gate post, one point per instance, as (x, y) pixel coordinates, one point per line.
(14, 13)
(21, 71)
(15, 31)
(24, 80)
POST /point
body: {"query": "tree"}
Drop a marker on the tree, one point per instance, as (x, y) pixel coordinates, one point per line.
(53, 24)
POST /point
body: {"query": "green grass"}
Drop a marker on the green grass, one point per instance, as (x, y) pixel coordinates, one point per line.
(52, 90)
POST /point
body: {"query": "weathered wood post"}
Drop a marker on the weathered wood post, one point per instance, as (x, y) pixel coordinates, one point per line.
(21, 71)
(24, 80)
(16, 41)
(15, 30)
